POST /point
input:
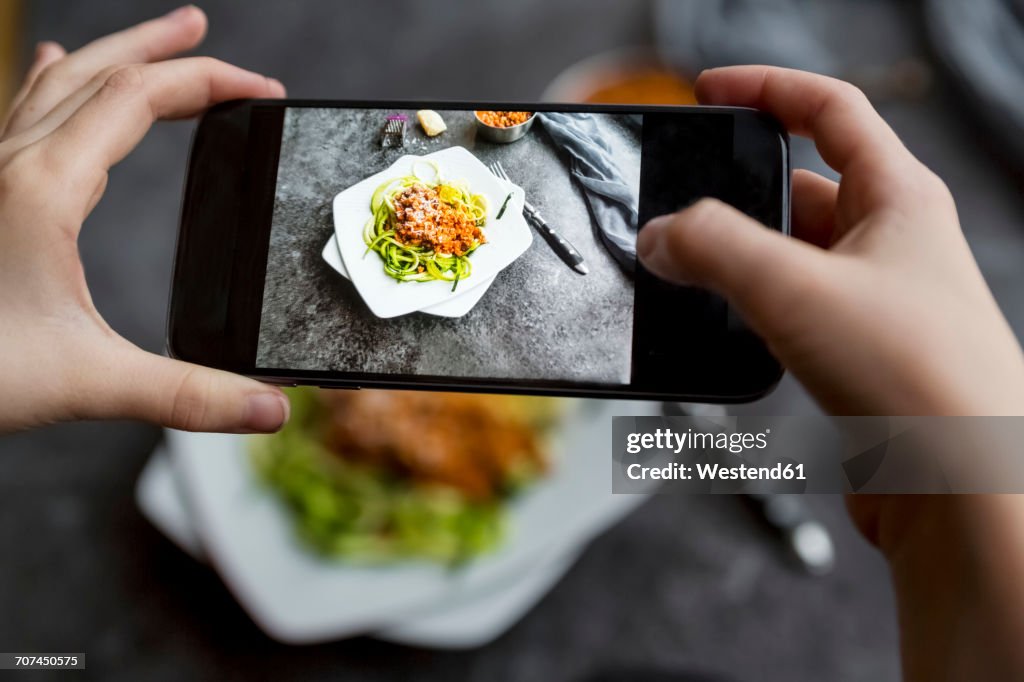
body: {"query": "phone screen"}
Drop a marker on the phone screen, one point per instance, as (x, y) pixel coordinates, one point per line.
(431, 281)
(483, 247)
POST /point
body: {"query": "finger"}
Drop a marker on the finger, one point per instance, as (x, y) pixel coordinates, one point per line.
(711, 244)
(849, 134)
(114, 119)
(813, 205)
(53, 118)
(152, 40)
(129, 383)
(834, 113)
(71, 104)
(47, 52)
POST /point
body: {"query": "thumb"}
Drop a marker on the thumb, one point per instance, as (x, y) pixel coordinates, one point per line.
(183, 396)
(711, 244)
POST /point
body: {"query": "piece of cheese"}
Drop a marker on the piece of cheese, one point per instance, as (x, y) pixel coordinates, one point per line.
(431, 122)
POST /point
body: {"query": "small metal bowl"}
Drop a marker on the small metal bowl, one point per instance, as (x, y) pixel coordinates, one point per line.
(504, 135)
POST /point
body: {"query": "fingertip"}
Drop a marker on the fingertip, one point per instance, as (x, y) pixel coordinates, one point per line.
(250, 83)
(192, 20)
(682, 244)
(201, 21)
(186, 13)
(49, 50)
(652, 251)
(287, 406)
(650, 235)
(710, 72)
(276, 88)
(725, 85)
(705, 87)
(197, 24)
(266, 412)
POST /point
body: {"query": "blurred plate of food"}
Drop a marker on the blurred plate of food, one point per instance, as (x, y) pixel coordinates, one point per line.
(471, 620)
(371, 507)
(425, 230)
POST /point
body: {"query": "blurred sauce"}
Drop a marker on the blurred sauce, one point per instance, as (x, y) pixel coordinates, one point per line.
(642, 85)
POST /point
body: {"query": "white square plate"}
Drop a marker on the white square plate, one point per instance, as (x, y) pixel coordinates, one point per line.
(296, 596)
(507, 239)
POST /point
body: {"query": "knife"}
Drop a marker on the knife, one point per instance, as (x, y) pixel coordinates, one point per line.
(559, 244)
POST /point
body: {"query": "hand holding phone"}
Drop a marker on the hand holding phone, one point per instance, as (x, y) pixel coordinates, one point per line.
(77, 115)
(877, 306)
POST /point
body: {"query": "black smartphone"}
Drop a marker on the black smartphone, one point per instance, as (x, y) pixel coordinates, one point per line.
(466, 246)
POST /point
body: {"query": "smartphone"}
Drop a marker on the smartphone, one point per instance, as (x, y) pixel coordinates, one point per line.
(481, 247)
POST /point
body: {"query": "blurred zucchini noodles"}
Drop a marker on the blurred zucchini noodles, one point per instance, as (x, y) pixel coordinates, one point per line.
(364, 516)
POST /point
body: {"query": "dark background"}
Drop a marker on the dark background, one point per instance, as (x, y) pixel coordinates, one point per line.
(686, 583)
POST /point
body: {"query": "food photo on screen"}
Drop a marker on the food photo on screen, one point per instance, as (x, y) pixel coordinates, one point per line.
(460, 243)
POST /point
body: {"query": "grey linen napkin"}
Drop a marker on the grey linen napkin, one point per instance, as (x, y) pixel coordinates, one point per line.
(611, 200)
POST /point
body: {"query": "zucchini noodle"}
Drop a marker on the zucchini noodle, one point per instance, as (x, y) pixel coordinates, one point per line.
(408, 262)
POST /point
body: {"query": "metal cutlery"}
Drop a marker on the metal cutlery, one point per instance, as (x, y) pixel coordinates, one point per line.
(394, 132)
(792, 519)
(559, 244)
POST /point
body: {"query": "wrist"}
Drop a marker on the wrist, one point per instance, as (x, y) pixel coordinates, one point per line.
(955, 563)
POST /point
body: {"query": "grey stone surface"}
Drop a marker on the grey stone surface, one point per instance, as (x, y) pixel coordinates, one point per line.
(540, 319)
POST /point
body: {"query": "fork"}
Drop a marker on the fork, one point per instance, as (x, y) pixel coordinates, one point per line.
(559, 244)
